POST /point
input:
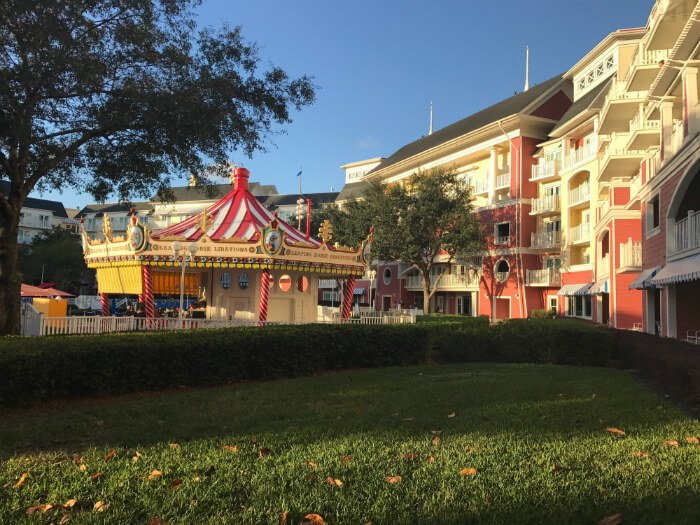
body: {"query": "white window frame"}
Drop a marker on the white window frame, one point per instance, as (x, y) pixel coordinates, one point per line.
(649, 216)
(499, 239)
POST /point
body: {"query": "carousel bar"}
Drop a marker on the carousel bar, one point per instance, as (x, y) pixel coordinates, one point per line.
(149, 298)
(347, 297)
(264, 295)
(104, 301)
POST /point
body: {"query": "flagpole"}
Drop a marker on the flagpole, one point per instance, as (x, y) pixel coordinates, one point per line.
(300, 170)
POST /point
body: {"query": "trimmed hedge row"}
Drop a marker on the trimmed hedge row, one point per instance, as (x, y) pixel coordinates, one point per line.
(40, 369)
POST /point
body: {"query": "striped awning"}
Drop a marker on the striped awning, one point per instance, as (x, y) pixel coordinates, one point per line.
(679, 271)
(575, 289)
(599, 287)
(643, 280)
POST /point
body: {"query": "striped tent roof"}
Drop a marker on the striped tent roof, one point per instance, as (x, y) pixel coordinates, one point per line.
(237, 215)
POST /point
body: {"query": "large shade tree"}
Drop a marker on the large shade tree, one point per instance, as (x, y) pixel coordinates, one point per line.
(118, 97)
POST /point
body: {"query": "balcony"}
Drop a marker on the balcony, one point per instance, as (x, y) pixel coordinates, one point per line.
(545, 240)
(450, 281)
(687, 233)
(645, 68)
(503, 181)
(580, 195)
(619, 108)
(480, 185)
(34, 222)
(545, 171)
(549, 205)
(501, 239)
(545, 277)
(603, 269)
(580, 234)
(617, 159)
(603, 209)
(630, 256)
(578, 157)
(644, 133)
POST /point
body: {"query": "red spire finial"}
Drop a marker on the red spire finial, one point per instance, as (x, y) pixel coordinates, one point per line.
(240, 178)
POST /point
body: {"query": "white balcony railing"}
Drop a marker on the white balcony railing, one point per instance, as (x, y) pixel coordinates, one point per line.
(580, 194)
(501, 239)
(603, 269)
(603, 208)
(547, 204)
(687, 232)
(631, 254)
(545, 239)
(33, 222)
(639, 123)
(544, 170)
(544, 277)
(579, 156)
(580, 233)
(503, 181)
(480, 185)
(450, 280)
(651, 58)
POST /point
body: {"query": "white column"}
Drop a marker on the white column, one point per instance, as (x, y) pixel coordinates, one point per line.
(493, 166)
(690, 99)
(666, 116)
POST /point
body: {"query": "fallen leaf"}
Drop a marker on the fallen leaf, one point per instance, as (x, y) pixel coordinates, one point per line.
(264, 452)
(693, 440)
(671, 443)
(334, 482)
(100, 506)
(173, 445)
(311, 464)
(82, 467)
(346, 458)
(451, 414)
(110, 455)
(436, 441)
(96, 476)
(393, 479)
(615, 431)
(488, 499)
(470, 471)
(64, 519)
(314, 518)
(136, 456)
(157, 521)
(70, 503)
(559, 468)
(230, 448)
(21, 481)
(410, 456)
(615, 519)
(283, 518)
(175, 483)
(430, 459)
(640, 454)
(44, 508)
(155, 474)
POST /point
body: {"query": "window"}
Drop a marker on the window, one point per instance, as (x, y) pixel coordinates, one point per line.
(610, 62)
(582, 84)
(43, 221)
(591, 77)
(501, 234)
(502, 271)
(600, 70)
(552, 262)
(285, 283)
(331, 297)
(553, 303)
(386, 276)
(653, 219)
(579, 306)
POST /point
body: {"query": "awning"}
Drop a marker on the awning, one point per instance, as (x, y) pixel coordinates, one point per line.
(28, 290)
(599, 287)
(575, 289)
(359, 291)
(679, 271)
(643, 280)
(119, 280)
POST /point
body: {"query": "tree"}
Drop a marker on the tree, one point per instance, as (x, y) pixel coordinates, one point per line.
(351, 224)
(120, 96)
(428, 221)
(56, 256)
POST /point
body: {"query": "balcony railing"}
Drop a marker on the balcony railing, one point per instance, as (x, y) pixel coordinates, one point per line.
(580, 194)
(545, 239)
(651, 58)
(603, 269)
(544, 277)
(548, 204)
(479, 185)
(503, 181)
(450, 280)
(545, 170)
(687, 232)
(618, 91)
(580, 233)
(631, 254)
(639, 123)
(578, 156)
(31, 222)
(603, 208)
(501, 239)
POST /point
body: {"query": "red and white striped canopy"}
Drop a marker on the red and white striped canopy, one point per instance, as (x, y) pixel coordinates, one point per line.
(237, 215)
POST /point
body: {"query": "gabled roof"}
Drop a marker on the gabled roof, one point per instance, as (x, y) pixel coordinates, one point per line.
(352, 190)
(505, 108)
(99, 209)
(38, 204)
(588, 101)
(214, 191)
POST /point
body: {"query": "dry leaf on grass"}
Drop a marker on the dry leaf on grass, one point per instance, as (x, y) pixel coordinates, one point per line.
(559, 468)
(314, 518)
(100, 506)
(334, 482)
(173, 445)
(470, 471)
(451, 414)
(693, 440)
(640, 454)
(393, 479)
(21, 481)
(430, 459)
(264, 452)
(230, 448)
(43, 508)
(671, 443)
(82, 467)
(155, 474)
(615, 519)
(410, 456)
(70, 503)
(110, 455)
(615, 431)
(175, 483)
(436, 441)
(96, 476)
(488, 499)
(157, 521)
(283, 518)
(311, 464)
(64, 519)
(136, 456)
(346, 458)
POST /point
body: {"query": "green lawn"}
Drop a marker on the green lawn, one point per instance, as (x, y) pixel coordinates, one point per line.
(512, 423)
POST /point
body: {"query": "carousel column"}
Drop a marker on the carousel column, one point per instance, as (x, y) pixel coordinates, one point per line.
(104, 301)
(148, 297)
(264, 296)
(347, 297)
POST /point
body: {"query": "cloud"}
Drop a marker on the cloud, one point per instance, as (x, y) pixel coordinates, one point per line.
(369, 142)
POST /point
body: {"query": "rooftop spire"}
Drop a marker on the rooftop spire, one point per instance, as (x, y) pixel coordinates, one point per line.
(430, 131)
(527, 68)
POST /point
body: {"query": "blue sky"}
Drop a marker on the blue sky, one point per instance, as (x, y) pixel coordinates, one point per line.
(379, 63)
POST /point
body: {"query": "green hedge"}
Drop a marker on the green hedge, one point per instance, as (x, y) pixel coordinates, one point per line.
(37, 369)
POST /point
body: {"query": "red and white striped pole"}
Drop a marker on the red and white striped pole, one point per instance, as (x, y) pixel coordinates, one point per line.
(347, 297)
(264, 296)
(104, 301)
(148, 297)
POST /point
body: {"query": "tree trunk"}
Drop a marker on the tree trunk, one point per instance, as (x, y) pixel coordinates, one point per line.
(9, 279)
(426, 293)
